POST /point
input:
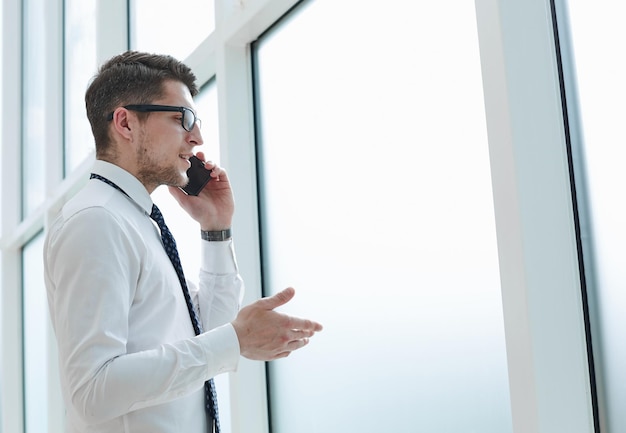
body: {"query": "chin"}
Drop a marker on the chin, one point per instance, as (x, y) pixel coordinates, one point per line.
(180, 179)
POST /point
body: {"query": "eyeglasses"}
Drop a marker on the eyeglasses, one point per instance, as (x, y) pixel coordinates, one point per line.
(188, 120)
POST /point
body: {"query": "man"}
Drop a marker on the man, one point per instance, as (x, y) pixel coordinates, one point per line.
(125, 319)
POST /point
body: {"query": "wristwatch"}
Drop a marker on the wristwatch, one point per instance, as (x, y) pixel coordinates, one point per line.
(216, 235)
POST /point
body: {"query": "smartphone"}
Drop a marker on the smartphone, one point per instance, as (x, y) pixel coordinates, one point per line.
(198, 176)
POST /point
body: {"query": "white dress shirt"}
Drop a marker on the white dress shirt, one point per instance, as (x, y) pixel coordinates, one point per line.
(128, 357)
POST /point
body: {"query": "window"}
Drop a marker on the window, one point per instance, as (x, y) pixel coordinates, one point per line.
(597, 84)
(35, 319)
(33, 115)
(80, 67)
(174, 28)
(351, 97)
(376, 205)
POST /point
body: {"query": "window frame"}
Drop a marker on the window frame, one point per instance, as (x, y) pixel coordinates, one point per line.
(547, 347)
(547, 354)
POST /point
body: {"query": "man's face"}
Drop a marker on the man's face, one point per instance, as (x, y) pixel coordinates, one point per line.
(164, 145)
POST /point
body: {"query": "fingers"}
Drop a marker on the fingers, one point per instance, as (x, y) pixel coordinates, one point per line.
(304, 324)
(279, 299)
(216, 170)
(290, 347)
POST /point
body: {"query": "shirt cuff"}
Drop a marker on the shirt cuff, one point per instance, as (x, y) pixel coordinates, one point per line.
(219, 257)
(222, 349)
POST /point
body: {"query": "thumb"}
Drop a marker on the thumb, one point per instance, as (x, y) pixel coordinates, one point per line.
(280, 298)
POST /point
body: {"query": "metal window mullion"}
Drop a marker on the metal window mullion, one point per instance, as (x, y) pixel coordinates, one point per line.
(579, 167)
(54, 171)
(242, 23)
(113, 33)
(12, 407)
(541, 287)
(248, 385)
(202, 60)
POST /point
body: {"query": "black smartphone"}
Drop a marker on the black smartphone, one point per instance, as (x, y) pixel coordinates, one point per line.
(198, 176)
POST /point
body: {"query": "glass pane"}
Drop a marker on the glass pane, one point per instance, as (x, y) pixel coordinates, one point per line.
(377, 207)
(35, 316)
(33, 115)
(80, 67)
(598, 33)
(175, 28)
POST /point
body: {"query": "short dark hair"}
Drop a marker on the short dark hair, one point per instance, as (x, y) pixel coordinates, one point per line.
(130, 78)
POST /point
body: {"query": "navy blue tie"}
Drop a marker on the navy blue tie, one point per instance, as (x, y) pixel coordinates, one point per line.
(213, 423)
(172, 252)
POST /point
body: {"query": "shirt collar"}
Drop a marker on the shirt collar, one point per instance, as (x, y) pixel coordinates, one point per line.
(129, 183)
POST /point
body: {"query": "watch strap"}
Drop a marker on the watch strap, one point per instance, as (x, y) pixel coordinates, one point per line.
(216, 235)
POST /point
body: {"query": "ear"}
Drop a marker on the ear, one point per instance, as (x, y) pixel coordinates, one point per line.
(124, 122)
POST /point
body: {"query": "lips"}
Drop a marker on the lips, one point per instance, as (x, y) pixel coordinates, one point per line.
(185, 157)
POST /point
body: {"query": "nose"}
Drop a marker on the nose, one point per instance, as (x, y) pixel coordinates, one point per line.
(195, 136)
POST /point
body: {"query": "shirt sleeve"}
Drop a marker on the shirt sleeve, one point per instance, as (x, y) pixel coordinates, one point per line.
(221, 286)
(92, 266)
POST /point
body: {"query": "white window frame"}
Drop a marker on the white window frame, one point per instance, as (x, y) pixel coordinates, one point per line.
(542, 303)
(541, 289)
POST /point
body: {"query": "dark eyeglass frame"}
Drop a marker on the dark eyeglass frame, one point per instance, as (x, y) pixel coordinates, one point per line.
(149, 108)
